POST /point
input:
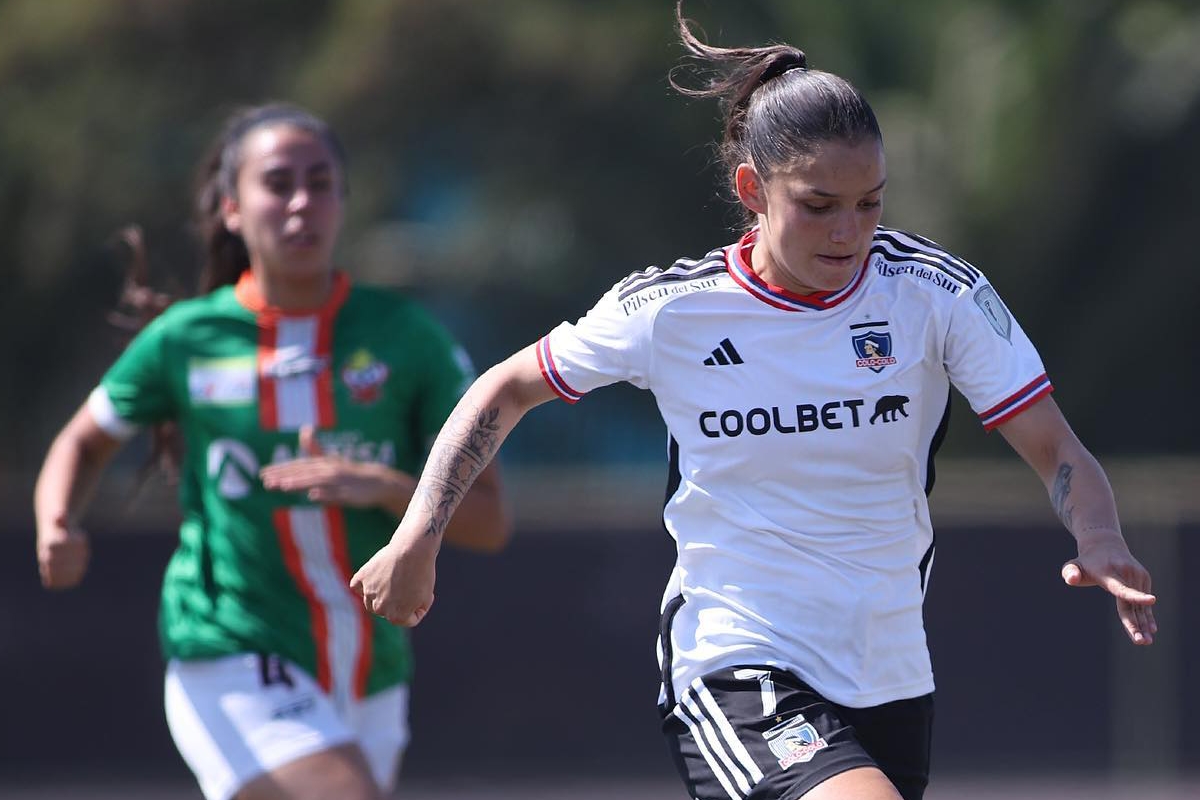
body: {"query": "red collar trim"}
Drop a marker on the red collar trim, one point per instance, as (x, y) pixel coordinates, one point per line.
(739, 266)
(249, 295)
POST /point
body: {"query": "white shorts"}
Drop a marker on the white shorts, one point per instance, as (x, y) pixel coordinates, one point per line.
(237, 717)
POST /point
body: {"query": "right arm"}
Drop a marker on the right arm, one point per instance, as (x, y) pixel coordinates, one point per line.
(397, 582)
(65, 485)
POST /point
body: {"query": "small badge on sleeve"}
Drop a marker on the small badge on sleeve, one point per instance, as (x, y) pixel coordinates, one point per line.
(995, 312)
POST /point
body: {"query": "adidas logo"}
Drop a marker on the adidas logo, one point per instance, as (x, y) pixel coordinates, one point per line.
(724, 355)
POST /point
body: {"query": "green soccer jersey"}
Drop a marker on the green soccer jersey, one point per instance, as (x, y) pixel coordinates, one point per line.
(265, 571)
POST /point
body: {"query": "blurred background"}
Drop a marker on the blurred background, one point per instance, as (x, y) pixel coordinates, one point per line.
(509, 161)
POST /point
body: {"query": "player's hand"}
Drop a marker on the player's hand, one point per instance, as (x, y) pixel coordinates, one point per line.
(331, 479)
(63, 553)
(397, 582)
(1107, 563)
(334, 480)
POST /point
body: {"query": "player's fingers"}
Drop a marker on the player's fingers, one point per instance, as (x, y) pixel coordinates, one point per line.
(1073, 575)
(1129, 621)
(274, 477)
(308, 441)
(328, 495)
(1125, 593)
(1144, 616)
(66, 552)
(73, 562)
(405, 620)
(418, 614)
(290, 470)
(61, 573)
(297, 477)
(1135, 624)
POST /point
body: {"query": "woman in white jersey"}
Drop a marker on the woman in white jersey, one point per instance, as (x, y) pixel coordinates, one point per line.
(803, 373)
(304, 404)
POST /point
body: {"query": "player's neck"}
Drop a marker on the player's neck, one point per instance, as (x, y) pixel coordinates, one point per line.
(295, 293)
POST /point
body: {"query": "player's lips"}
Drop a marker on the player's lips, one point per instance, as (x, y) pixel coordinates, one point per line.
(301, 238)
(839, 261)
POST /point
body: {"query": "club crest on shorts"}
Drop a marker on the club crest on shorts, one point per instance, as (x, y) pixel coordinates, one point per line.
(873, 346)
(795, 741)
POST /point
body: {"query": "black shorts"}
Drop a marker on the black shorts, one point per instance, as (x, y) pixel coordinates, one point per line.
(761, 733)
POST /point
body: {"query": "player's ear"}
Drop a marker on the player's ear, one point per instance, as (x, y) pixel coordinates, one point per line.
(231, 215)
(750, 188)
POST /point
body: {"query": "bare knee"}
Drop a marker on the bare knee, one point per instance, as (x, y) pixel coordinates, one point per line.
(341, 773)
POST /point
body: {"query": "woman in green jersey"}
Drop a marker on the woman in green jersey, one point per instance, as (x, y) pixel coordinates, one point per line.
(305, 405)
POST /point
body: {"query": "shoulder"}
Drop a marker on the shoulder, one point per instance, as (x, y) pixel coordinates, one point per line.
(387, 315)
(381, 304)
(654, 286)
(906, 256)
(377, 297)
(179, 318)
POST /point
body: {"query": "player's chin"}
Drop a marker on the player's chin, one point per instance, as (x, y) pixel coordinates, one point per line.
(832, 276)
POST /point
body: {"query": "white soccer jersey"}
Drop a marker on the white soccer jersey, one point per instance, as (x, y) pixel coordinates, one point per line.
(801, 435)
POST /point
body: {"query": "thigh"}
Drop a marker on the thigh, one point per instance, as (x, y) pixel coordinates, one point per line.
(237, 717)
(898, 736)
(380, 722)
(339, 772)
(757, 732)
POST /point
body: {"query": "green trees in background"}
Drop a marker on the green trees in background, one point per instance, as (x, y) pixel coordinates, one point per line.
(511, 159)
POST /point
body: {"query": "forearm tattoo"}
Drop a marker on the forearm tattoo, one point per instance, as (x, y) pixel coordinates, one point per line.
(465, 446)
(1061, 493)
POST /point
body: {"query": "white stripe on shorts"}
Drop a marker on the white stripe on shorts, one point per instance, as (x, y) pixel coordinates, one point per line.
(714, 741)
(718, 716)
(713, 763)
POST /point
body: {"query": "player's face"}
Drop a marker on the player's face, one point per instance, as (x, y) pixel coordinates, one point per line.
(288, 207)
(817, 219)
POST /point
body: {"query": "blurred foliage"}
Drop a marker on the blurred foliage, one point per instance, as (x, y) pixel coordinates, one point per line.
(511, 159)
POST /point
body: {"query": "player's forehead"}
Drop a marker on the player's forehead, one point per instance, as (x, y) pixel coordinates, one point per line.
(836, 168)
(286, 145)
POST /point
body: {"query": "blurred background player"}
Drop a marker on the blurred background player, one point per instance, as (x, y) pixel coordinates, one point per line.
(303, 405)
(803, 373)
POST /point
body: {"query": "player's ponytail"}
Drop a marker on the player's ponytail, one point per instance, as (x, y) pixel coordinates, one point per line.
(777, 109)
(137, 305)
(223, 253)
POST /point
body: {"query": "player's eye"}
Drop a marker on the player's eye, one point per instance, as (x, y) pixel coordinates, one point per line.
(278, 183)
(320, 183)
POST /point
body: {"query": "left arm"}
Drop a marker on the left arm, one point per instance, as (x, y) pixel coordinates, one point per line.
(1084, 502)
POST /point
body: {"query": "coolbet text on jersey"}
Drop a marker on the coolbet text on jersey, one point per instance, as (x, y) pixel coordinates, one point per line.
(842, 393)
